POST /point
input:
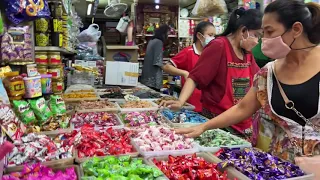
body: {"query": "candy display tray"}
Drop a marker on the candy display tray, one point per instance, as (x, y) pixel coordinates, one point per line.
(120, 124)
(181, 125)
(62, 167)
(144, 160)
(306, 177)
(161, 122)
(231, 172)
(153, 108)
(115, 109)
(215, 149)
(147, 154)
(53, 163)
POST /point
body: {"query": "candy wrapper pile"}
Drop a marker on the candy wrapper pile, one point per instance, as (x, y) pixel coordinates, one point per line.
(123, 167)
(97, 119)
(136, 119)
(39, 172)
(90, 142)
(258, 165)
(218, 138)
(183, 116)
(34, 148)
(160, 138)
(189, 167)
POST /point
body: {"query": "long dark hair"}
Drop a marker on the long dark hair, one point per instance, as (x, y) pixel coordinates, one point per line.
(201, 28)
(251, 19)
(291, 11)
(161, 33)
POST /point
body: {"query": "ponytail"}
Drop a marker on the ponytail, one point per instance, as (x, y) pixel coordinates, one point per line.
(314, 32)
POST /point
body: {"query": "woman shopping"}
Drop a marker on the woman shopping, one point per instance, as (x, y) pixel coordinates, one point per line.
(225, 70)
(153, 62)
(287, 89)
(185, 60)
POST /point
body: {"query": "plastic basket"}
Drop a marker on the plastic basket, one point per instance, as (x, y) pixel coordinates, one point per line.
(232, 172)
(115, 109)
(147, 154)
(215, 149)
(153, 108)
(120, 124)
(144, 160)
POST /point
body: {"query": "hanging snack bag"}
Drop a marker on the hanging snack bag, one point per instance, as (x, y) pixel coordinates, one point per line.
(40, 108)
(23, 110)
(57, 105)
(209, 8)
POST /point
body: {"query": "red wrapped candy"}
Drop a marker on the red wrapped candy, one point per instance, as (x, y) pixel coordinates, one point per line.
(90, 142)
(189, 167)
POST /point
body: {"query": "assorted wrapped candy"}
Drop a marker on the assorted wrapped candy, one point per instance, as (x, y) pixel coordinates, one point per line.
(123, 167)
(90, 142)
(136, 119)
(98, 119)
(160, 138)
(183, 116)
(218, 138)
(40, 172)
(95, 105)
(189, 167)
(34, 148)
(258, 165)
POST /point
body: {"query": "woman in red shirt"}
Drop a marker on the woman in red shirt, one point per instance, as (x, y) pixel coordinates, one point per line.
(185, 60)
(225, 70)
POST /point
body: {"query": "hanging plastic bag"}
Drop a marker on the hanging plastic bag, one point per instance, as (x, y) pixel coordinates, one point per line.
(209, 8)
(123, 24)
(92, 34)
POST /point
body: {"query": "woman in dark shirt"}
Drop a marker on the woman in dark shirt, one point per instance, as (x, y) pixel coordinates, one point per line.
(225, 70)
(153, 62)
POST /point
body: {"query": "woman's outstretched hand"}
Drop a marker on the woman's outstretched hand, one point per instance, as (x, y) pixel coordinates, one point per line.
(173, 105)
(191, 132)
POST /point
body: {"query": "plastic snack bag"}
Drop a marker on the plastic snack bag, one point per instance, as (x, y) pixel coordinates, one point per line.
(209, 8)
(3, 94)
(57, 105)
(23, 110)
(41, 110)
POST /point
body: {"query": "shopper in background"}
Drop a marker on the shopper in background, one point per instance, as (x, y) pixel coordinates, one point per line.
(287, 89)
(153, 60)
(185, 60)
(258, 55)
(225, 70)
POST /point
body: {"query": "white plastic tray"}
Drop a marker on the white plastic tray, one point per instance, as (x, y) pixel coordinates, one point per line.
(115, 109)
(306, 177)
(231, 172)
(147, 154)
(121, 125)
(215, 149)
(153, 108)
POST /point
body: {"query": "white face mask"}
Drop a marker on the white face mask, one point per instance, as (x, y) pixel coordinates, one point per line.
(207, 40)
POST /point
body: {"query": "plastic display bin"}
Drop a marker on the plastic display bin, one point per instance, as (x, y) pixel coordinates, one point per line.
(232, 172)
(120, 124)
(116, 109)
(153, 108)
(181, 125)
(215, 149)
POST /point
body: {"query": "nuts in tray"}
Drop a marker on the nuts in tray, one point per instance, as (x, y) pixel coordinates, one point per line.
(83, 105)
(136, 104)
(78, 95)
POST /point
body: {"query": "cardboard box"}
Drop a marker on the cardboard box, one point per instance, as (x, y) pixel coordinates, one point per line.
(122, 73)
(122, 53)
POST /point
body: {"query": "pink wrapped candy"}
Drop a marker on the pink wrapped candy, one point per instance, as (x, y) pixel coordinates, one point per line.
(39, 172)
(160, 138)
(97, 119)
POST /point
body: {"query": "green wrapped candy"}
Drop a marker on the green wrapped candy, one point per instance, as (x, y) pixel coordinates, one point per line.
(22, 109)
(121, 168)
(41, 110)
(57, 105)
(218, 138)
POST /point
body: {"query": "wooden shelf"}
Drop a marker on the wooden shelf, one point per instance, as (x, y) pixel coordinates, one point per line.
(53, 49)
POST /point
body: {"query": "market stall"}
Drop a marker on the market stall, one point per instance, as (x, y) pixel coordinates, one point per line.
(69, 111)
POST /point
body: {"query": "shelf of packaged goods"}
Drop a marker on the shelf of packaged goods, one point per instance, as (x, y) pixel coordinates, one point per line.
(151, 35)
(63, 5)
(53, 49)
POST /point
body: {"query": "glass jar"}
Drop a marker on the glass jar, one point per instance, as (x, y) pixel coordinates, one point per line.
(57, 86)
(14, 85)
